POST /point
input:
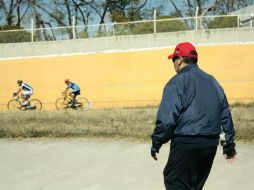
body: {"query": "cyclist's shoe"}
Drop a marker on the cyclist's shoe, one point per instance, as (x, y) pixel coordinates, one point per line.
(70, 103)
(78, 104)
(73, 106)
(33, 107)
(26, 103)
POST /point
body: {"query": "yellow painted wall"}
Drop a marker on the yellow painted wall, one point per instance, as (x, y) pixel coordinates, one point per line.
(125, 78)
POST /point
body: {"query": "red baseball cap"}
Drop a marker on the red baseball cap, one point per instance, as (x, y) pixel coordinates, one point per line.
(184, 50)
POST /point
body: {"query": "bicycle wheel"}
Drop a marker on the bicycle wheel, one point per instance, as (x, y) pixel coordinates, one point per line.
(82, 103)
(14, 105)
(34, 105)
(61, 103)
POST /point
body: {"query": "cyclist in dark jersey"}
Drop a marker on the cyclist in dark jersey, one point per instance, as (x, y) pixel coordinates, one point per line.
(26, 92)
(74, 92)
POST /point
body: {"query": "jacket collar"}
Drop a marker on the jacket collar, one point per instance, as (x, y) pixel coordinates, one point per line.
(188, 67)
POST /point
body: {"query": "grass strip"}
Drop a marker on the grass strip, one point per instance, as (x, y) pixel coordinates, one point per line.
(130, 123)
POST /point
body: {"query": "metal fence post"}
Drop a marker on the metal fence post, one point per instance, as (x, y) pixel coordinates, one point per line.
(238, 21)
(73, 27)
(251, 19)
(196, 15)
(154, 21)
(32, 30)
(113, 29)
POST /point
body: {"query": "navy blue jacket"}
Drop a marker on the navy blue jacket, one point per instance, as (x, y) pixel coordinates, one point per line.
(193, 104)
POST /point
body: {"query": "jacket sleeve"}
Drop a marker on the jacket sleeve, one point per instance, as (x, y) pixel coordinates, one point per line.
(167, 116)
(227, 123)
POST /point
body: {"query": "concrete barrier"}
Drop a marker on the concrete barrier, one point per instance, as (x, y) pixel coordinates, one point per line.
(119, 43)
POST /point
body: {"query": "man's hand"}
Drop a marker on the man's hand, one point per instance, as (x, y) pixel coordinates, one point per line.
(14, 94)
(153, 153)
(230, 159)
(229, 153)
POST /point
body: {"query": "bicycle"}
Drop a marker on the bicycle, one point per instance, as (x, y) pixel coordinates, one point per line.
(66, 102)
(16, 104)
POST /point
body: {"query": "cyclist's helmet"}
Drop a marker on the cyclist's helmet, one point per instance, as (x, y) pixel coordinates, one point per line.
(19, 82)
(66, 81)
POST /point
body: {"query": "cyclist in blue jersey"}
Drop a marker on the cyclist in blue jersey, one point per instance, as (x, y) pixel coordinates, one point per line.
(26, 92)
(75, 90)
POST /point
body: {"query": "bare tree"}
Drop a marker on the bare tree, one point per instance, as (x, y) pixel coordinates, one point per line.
(8, 9)
(226, 6)
(60, 12)
(126, 10)
(22, 8)
(185, 8)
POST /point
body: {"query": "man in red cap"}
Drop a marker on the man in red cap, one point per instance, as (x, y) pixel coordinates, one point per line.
(192, 113)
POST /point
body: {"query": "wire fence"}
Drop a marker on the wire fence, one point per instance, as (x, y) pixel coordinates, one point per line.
(126, 28)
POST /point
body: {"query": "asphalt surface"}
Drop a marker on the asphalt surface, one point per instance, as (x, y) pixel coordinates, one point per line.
(78, 164)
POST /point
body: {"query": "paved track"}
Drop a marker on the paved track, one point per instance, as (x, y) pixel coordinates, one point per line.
(77, 164)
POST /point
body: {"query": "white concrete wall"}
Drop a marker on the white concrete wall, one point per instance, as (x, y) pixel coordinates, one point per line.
(118, 43)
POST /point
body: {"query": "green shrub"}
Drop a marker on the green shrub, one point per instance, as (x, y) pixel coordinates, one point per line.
(223, 22)
(161, 26)
(13, 36)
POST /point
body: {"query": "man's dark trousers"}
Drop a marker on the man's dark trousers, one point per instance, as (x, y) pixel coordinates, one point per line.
(188, 169)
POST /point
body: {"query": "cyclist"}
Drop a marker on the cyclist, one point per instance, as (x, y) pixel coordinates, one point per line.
(27, 92)
(74, 92)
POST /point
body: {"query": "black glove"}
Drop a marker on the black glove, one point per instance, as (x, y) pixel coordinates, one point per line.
(229, 150)
(14, 94)
(154, 151)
